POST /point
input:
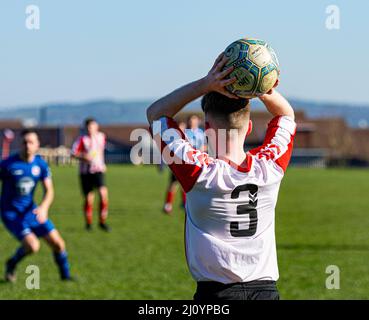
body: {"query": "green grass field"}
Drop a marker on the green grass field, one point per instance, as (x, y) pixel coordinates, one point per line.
(322, 219)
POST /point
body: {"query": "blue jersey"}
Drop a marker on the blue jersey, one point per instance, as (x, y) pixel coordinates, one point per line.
(19, 180)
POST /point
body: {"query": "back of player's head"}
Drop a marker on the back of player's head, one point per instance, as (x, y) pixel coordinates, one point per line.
(89, 120)
(228, 113)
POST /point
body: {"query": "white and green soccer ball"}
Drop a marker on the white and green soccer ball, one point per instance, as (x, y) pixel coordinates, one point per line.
(256, 67)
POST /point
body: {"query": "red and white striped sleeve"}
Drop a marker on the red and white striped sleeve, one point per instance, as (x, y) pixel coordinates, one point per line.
(78, 146)
(183, 159)
(278, 142)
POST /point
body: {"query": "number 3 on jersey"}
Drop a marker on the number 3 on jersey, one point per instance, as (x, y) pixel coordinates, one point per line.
(242, 209)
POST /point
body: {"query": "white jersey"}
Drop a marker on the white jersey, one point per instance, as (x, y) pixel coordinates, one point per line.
(230, 209)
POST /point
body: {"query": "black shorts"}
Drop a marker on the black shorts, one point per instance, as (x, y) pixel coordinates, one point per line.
(90, 181)
(253, 290)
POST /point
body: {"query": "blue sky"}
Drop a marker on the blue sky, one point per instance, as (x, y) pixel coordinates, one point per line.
(126, 50)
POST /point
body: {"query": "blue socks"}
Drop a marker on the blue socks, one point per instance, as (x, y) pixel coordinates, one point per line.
(61, 260)
(17, 257)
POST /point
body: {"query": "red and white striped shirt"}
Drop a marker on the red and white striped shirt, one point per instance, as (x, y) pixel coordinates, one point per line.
(230, 209)
(93, 146)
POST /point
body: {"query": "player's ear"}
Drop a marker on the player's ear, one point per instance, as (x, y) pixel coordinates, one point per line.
(249, 130)
(207, 125)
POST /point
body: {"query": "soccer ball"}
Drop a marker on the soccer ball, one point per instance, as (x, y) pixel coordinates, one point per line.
(256, 67)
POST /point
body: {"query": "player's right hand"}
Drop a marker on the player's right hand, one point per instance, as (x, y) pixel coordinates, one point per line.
(216, 78)
(42, 214)
(87, 158)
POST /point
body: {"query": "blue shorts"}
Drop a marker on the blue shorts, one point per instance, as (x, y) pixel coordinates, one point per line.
(22, 224)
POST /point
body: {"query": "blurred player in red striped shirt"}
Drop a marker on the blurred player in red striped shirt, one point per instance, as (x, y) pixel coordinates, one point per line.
(89, 149)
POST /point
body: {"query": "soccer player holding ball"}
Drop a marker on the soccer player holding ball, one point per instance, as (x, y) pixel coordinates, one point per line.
(89, 149)
(231, 197)
(24, 219)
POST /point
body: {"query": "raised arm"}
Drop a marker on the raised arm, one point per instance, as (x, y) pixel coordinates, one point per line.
(278, 143)
(214, 81)
(277, 105)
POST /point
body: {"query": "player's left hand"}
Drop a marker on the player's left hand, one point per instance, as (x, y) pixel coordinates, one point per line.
(42, 214)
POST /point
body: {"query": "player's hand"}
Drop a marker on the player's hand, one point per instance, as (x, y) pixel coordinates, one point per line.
(42, 214)
(216, 79)
(270, 92)
(87, 158)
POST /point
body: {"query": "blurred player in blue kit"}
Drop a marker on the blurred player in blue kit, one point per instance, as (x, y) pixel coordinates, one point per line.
(196, 137)
(25, 220)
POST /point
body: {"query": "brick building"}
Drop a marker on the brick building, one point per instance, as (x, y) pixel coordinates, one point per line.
(318, 142)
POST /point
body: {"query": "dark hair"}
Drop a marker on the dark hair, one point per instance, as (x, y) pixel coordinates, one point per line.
(88, 121)
(28, 131)
(215, 102)
(232, 112)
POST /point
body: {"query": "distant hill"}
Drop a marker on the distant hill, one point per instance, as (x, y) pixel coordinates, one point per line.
(115, 112)
(355, 115)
